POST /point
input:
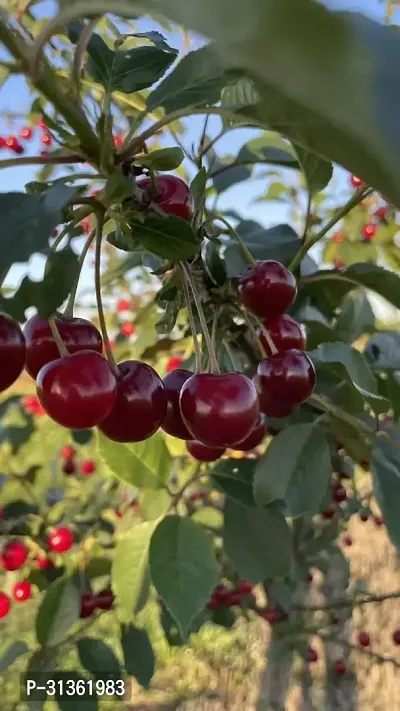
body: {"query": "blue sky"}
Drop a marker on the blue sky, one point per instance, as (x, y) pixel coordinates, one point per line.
(15, 97)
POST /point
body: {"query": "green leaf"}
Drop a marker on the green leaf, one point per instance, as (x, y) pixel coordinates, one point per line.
(183, 568)
(169, 237)
(251, 539)
(214, 265)
(153, 504)
(58, 611)
(156, 38)
(26, 222)
(295, 468)
(356, 317)
(130, 570)
(317, 171)
(235, 478)
(138, 654)
(386, 476)
(348, 364)
(11, 654)
(162, 159)
(97, 657)
(82, 436)
(382, 350)
(280, 242)
(143, 464)
(197, 80)
(117, 188)
(198, 189)
(225, 172)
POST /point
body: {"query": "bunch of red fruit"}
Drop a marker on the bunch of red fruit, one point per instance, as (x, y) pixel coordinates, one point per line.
(222, 596)
(68, 454)
(104, 600)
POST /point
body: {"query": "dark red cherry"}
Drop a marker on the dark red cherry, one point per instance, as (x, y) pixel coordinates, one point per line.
(78, 334)
(271, 408)
(14, 555)
(339, 668)
(287, 378)
(22, 591)
(5, 605)
(219, 409)
(88, 605)
(69, 467)
(267, 289)
(88, 467)
(77, 391)
(105, 599)
(312, 655)
(173, 422)
(202, 453)
(12, 351)
(173, 197)
(61, 539)
(140, 406)
(254, 438)
(364, 639)
(285, 332)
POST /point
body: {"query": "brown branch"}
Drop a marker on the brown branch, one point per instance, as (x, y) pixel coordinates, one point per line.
(41, 160)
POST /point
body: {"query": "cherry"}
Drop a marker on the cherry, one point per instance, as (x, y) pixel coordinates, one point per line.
(338, 237)
(244, 587)
(287, 378)
(123, 305)
(272, 616)
(140, 406)
(285, 332)
(46, 139)
(267, 289)
(78, 391)
(61, 539)
(312, 655)
(202, 452)
(22, 591)
(42, 123)
(2, 142)
(356, 182)
(67, 452)
(118, 141)
(348, 541)
(212, 604)
(12, 142)
(221, 594)
(339, 493)
(219, 409)
(69, 467)
(381, 213)
(173, 196)
(364, 639)
(78, 334)
(369, 231)
(254, 438)
(128, 329)
(5, 605)
(88, 605)
(234, 599)
(32, 405)
(339, 668)
(26, 133)
(173, 422)
(364, 517)
(14, 555)
(12, 351)
(309, 578)
(328, 513)
(269, 407)
(105, 599)
(379, 521)
(174, 363)
(18, 149)
(396, 636)
(88, 467)
(44, 563)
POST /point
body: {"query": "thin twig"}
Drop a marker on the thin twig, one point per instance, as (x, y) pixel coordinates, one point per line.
(97, 277)
(203, 322)
(196, 343)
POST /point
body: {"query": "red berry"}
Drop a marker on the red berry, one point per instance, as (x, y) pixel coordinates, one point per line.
(234, 599)
(22, 591)
(267, 289)
(118, 141)
(254, 438)
(244, 587)
(173, 422)
(69, 467)
(78, 334)
(44, 563)
(2, 143)
(32, 405)
(202, 452)
(140, 406)
(12, 351)
(339, 668)
(396, 636)
(339, 493)
(309, 578)
(88, 467)
(78, 391)
(5, 605)
(381, 212)
(67, 452)
(61, 539)
(174, 363)
(41, 123)
(18, 149)
(173, 196)
(272, 616)
(379, 521)
(328, 513)
(369, 231)
(105, 599)
(287, 378)
(219, 410)
(364, 517)
(348, 541)
(338, 237)
(356, 182)
(14, 555)
(364, 639)
(312, 655)
(285, 332)
(46, 139)
(88, 605)
(128, 329)
(123, 305)
(270, 407)
(221, 594)
(12, 142)
(26, 133)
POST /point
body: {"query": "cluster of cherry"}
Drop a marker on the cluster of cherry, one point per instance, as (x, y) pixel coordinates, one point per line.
(13, 143)
(70, 466)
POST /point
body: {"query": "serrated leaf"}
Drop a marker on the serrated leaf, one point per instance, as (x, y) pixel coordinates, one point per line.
(386, 476)
(183, 568)
(280, 242)
(58, 611)
(130, 578)
(170, 237)
(162, 159)
(98, 658)
(138, 654)
(250, 540)
(143, 464)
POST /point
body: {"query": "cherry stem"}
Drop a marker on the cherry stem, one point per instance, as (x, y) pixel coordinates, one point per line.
(196, 343)
(203, 322)
(248, 320)
(69, 309)
(59, 341)
(97, 282)
(235, 234)
(267, 336)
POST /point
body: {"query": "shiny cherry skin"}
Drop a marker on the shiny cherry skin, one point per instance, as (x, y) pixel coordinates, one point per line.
(287, 378)
(78, 334)
(173, 422)
(14, 555)
(254, 438)
(286, 334)
(61, 539)
(88, 467)
(67, 451)
(356, 182)
(12, 351)
(267, 289)
(77, 391)
(105, 599)
(219, 409)
(140, 406)
(88, 605)
(22, 591)
(26, 133)
(174, 196)
(269, 407)
(202, 453)
(369, 231)
(5, 605)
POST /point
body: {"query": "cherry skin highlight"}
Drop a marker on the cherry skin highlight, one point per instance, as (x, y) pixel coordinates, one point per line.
(77, 391)
(285, 332)
(267, 289)
(202, 453)
(174, 196)
(78, 334)
(219, 409)
(61, 539)
(173, 422)
(12, 351)
(287, 378)
(22, 591)
(140, 406)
